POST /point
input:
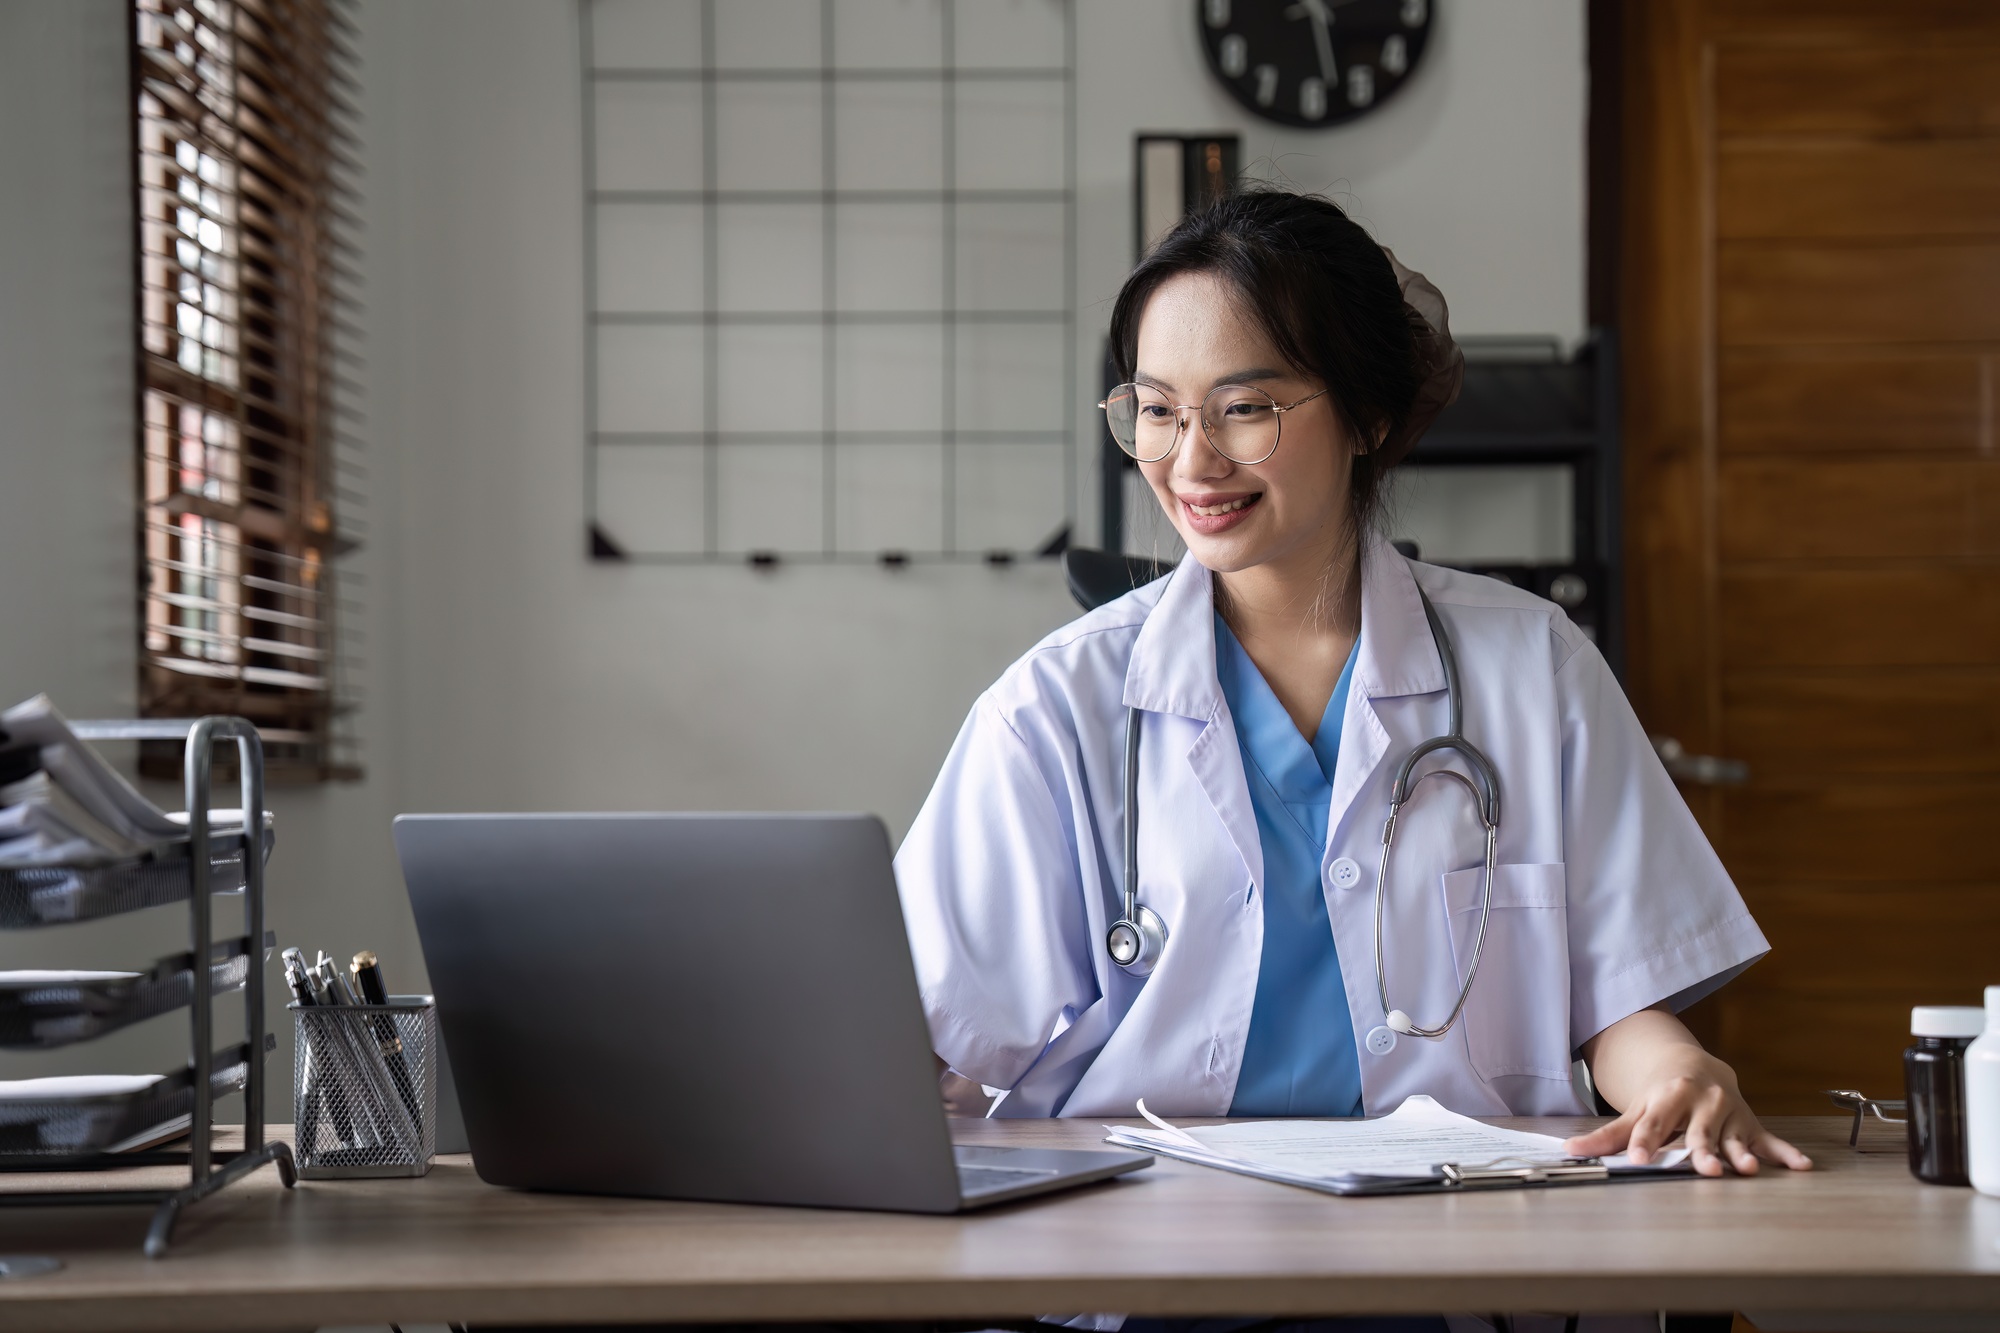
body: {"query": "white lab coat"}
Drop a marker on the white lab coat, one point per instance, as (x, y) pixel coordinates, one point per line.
(1606, 898)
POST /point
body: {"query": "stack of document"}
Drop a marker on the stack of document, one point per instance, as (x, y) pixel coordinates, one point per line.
(62, 804)
(1408, 1149)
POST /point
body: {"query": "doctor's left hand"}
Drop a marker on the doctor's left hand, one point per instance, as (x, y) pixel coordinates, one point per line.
(1653, 1067)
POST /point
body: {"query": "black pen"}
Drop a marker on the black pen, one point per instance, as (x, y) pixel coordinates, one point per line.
(374, 989)
(368, 981)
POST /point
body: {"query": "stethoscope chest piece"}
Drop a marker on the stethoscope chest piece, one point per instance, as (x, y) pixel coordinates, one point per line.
(1136, 941)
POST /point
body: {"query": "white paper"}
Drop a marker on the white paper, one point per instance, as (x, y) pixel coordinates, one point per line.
(1412, 1140)
(228, 819)
(79, 770)
(78, 810)
(10, 981)
(75, 1087)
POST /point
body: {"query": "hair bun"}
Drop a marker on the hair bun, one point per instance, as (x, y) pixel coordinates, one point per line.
(1440, 363)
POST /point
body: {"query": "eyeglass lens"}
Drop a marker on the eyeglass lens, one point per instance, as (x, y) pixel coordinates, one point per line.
(1241, 422)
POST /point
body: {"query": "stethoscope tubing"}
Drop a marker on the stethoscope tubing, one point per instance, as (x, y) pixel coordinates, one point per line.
(1485, 908)
(1131, 814)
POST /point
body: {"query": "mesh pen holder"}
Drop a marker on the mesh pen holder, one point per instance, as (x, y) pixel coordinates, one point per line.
(364, 1088)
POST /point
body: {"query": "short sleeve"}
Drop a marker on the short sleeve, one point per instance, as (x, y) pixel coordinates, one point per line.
(1653, 916)
(992, 900)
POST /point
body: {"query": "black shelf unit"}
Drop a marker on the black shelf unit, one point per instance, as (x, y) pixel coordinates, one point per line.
(1524, 403)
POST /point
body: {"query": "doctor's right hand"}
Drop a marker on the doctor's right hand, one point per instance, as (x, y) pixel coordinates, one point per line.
(1652, 1066)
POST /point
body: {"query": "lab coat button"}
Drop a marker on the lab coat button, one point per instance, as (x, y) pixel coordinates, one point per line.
(1346, 874)
(1381, 1040)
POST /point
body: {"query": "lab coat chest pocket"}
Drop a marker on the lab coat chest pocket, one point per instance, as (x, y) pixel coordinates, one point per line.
(1517, 1014)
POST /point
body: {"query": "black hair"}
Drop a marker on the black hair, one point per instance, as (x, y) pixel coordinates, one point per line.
(1324, 293)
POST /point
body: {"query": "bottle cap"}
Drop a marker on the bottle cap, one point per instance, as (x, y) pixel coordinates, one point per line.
(1947, 1020)
(1993, 1008)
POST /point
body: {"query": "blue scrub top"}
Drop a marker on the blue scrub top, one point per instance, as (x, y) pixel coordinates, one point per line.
(1299, 1058)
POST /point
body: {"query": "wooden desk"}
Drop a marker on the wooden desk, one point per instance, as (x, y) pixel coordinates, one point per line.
(1857, 1234)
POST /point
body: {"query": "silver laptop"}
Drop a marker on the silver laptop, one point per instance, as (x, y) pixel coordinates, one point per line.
(691, 1006)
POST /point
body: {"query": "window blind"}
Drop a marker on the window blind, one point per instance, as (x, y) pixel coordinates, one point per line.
(249, 478)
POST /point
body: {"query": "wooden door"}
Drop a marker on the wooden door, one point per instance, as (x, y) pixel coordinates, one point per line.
(1811, 297)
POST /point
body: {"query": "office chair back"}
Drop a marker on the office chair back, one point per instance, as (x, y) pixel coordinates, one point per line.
(1097, 577)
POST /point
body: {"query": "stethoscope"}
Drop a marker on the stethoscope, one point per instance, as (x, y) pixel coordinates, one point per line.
(1139, 937)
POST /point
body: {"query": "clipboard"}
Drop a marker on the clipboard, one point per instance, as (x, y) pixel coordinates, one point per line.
(1450, 1177)
(1447, 1177)
(1531, 1167)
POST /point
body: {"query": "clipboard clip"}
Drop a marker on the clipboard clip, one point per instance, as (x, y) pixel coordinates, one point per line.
(1523, 1171)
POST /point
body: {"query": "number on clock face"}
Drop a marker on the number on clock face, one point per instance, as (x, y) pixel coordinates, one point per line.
(1313, 63)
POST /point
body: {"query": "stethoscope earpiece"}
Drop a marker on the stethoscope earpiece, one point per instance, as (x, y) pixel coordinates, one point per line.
(1400, 1022)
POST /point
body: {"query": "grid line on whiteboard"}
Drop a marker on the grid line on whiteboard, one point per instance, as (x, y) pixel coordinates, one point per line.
(830, 278)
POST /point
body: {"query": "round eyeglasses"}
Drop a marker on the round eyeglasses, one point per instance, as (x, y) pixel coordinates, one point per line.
(1241, 422)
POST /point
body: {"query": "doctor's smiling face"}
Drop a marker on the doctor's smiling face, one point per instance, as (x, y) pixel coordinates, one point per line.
(1205, 368)
(1272, 370)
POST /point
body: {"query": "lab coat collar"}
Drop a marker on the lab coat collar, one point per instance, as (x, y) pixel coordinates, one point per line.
(1396, 656)
(1397, 653)
(1173, 660)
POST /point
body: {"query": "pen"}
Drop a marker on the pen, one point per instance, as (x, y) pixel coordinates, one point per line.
(330, 988)
(295, 976)
(319, 1099)
(374, 989)
(316, 984)
(335, 983)
(368, 981)
(295, 979)
(392, 1106)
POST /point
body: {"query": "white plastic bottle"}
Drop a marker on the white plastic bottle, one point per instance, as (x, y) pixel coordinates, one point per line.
(1982, 1101)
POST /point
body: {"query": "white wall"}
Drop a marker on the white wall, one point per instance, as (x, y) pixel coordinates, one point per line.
(1472, 173)
(533, 678)
(67, 543)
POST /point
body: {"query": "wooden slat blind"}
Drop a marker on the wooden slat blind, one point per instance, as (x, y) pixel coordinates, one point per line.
(242, 161)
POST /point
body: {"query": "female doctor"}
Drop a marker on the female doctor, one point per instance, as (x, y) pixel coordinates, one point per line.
(1546, 892)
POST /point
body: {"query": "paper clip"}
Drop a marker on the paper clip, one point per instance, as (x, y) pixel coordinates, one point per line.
(1525, 1171)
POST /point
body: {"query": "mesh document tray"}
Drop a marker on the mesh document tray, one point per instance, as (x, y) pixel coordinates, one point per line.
(44, 1120)
(42, 1010)
(54, 895)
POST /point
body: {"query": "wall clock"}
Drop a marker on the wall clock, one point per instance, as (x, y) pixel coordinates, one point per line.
(1313, 63)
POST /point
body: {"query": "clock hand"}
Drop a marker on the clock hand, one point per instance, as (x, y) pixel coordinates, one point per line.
(1316, 10)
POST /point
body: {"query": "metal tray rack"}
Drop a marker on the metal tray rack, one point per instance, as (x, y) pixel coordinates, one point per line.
(82, 1125)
